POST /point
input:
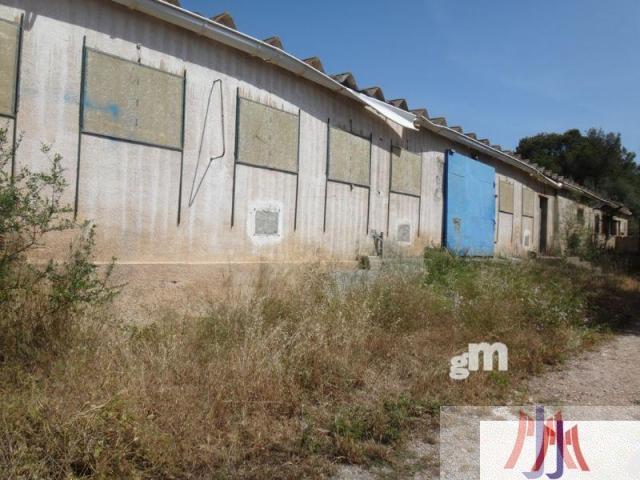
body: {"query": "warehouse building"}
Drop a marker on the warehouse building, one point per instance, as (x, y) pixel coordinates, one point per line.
(189, 142)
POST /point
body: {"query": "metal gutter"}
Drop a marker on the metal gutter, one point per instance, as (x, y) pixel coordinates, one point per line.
(401, 117)
(458, 137)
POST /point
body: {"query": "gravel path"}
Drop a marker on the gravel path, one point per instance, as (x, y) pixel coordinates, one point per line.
(607, 376)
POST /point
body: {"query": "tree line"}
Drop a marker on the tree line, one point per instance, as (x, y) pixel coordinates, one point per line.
(596, 159)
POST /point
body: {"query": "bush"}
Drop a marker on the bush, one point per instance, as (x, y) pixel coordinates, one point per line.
(38, 302)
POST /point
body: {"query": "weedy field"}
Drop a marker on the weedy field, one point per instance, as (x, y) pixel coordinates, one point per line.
(302, 375)
(307, 372)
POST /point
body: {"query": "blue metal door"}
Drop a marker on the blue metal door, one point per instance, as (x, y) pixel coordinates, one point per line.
(469, 206)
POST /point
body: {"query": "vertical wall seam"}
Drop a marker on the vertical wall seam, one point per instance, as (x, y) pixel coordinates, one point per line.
(182, 141)
(445, 199)
(295, 210)
(326, 177)
(16, 99)
(420, 196)
(389, 193)
(235, 159)
(370, 176)
(83, 68)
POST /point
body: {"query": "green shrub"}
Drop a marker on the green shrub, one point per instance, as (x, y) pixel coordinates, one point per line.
(38, 302)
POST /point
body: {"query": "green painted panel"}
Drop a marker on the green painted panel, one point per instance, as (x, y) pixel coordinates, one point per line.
(349, 157)
(267, 137)
(127, 100)
(406, 172)
(8, 65)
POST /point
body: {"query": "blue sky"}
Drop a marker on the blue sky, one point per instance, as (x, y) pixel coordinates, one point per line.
(504, 69)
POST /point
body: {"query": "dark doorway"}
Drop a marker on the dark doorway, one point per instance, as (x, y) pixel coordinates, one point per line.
(543, 224)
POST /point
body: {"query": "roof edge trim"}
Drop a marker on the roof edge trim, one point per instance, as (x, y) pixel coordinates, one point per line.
(200, 25)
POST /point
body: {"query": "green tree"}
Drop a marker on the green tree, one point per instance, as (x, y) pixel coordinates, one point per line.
(595, 159)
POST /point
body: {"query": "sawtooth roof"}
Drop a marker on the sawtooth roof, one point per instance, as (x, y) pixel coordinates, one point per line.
(347, 79)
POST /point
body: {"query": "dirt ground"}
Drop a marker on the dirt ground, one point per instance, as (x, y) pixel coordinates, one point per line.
(605, 376)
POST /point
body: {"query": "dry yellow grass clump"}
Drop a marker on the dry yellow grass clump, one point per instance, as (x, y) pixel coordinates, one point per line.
(284, 384)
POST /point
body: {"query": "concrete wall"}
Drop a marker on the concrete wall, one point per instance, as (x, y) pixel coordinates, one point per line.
(136, 193)
(512, 228)
(569, 221)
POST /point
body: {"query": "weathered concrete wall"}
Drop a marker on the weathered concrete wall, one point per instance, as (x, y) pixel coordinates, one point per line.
(136, 193)
(516, 227)
(568, 218)
(571, 220)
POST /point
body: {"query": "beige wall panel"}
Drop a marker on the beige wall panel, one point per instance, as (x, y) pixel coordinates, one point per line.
(313, 158)
(132, 196)
(565, 219)
(125, 100)
(528, 202)
(406, 172)
(349, 157)
(526, 192)
(504, 245)
(9, 32)
(207, 200)
(49, 84)
(160, 112)
(528, 234)
(518, 218)
(552, 227)
(506, 197)
(403, 211)
(380, 159)
(267, 137)
(347, 220)
(260, 190)
(433, 185)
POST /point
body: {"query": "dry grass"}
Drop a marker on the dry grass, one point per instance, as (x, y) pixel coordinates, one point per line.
(290, 381)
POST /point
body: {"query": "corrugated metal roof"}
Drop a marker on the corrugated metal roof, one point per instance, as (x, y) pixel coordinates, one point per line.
(439, 121)
(225, 19)
(397, 115)
(346, 79)
(274, 42)
(400, 103)
(315, 63)
(375, 92)
(420, 112)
